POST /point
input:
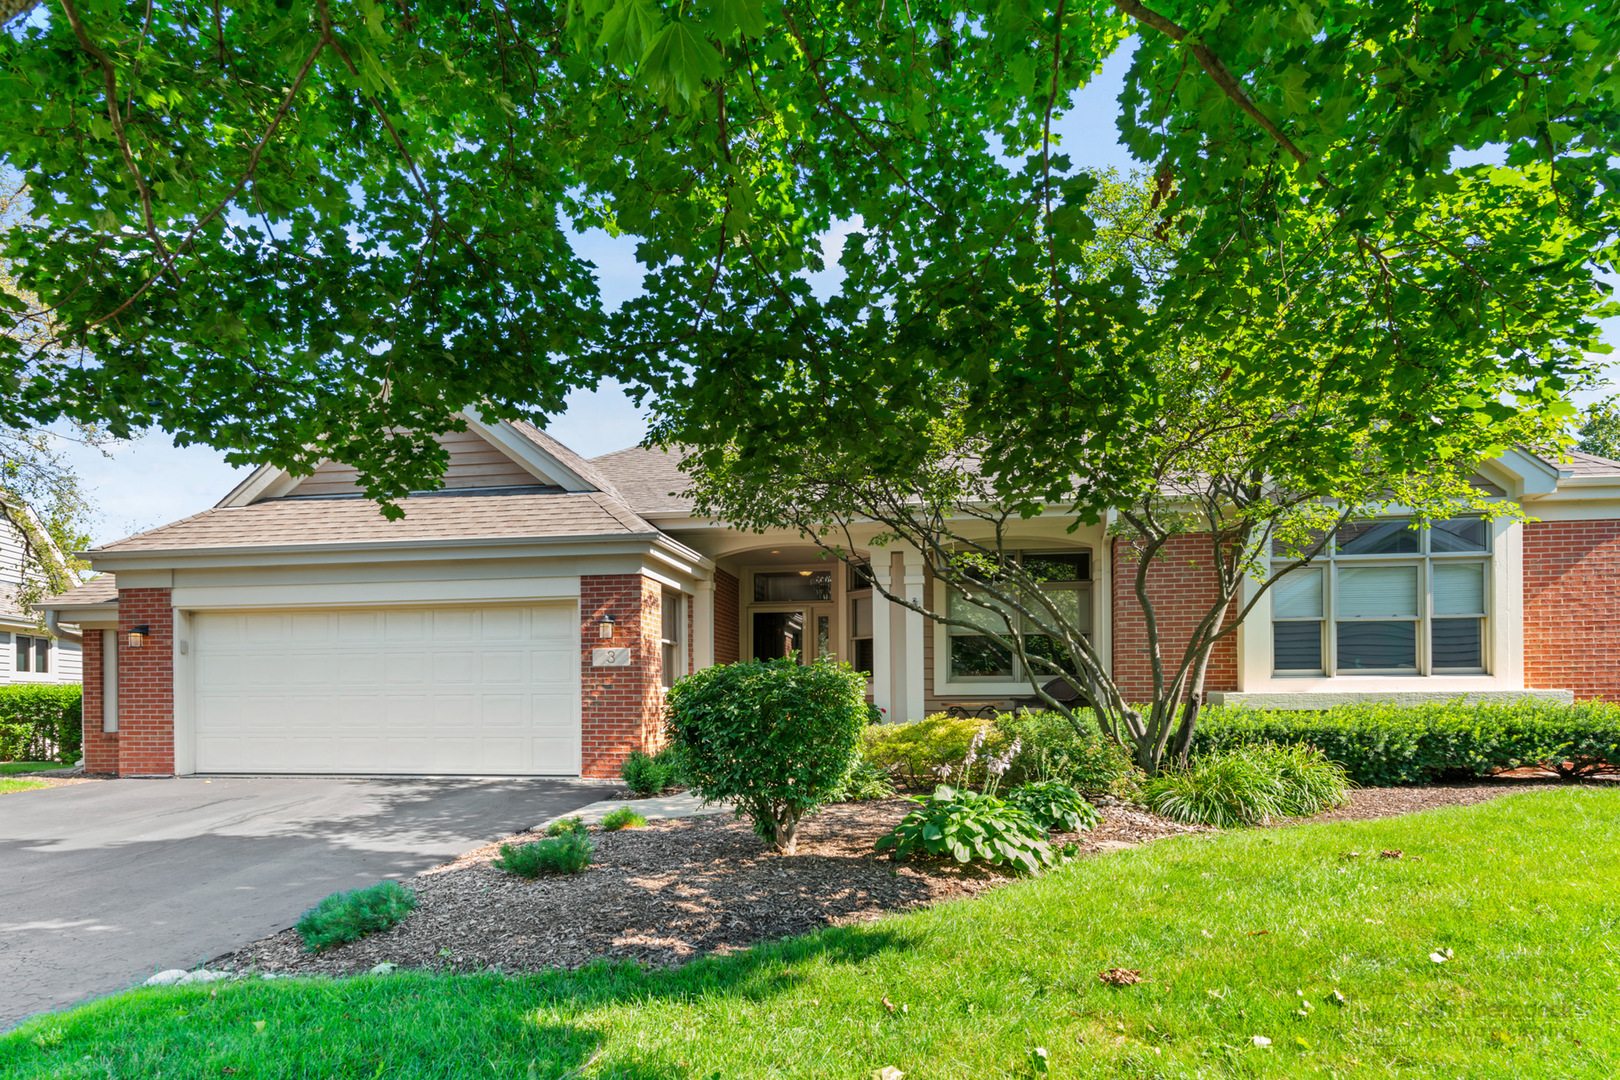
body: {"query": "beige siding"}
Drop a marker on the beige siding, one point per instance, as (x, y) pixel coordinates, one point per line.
(474, 463)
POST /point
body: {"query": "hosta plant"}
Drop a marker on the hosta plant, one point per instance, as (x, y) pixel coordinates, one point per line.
(1055, 805)
(970, 827)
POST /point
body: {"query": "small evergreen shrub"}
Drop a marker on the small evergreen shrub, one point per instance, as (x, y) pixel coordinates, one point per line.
(564, 826)
(41, 722)
(1052, 804)
(1382, 744)
(651, 774)
(349, 916)
(776, 737)
(970, 827)
(624, 817)
(566, 852)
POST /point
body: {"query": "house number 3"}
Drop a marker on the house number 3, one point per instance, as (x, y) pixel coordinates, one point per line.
(612, 657)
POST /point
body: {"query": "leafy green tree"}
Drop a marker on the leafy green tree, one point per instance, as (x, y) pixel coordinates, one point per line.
(318, 229)
(1600, 432)
(1247, 470)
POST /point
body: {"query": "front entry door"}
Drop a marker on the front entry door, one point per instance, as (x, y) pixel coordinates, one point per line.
(806, 630)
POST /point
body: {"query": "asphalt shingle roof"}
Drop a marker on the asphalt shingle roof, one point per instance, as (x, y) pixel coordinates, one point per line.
(649, 480)
(1587, 464)
(493, 514)
(102, 589)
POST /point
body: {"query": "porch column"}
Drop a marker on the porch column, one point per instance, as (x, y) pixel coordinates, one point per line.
(882, 638)
(702, 625)
(910, 679)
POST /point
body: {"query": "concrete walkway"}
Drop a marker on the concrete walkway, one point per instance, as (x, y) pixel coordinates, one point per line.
(685, 804)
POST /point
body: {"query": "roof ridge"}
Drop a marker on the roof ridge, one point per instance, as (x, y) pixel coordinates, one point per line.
(564, 454)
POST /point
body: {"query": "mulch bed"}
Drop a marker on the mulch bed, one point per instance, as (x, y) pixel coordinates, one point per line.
(674, 890)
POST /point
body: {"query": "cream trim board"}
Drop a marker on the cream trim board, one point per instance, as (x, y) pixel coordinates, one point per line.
(185, 696)
(377, 594)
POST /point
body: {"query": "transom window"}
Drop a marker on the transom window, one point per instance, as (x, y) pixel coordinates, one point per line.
(1066, 581)
(1387, 598)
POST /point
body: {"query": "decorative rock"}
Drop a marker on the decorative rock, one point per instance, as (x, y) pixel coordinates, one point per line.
(202, 975)
(167, 978)
(383, 969)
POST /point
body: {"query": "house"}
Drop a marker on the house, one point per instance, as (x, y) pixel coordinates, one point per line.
(29, 651)
(526, 619)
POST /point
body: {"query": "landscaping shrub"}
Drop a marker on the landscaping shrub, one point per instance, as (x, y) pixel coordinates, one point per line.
(1307, 782)
(41, 723)
(564, 826)
(970, 827)
(1053, 805)
(349, 916)
(651, 774)
(623, 818)
(777, 737)
(1052, 749)
(865, 781)
(1087, 760)
(563, 853)
(1384, 744)
(912, 751)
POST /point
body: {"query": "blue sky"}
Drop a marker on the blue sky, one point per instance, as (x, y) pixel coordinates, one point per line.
(151, 481)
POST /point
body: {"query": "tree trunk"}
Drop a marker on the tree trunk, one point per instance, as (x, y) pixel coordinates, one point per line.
(787, 835)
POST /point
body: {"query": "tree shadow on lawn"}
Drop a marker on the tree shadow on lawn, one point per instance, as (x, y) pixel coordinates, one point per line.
(411, 1024)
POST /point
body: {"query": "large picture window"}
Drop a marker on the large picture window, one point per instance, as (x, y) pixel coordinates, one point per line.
(974, 657)
(1387, 598)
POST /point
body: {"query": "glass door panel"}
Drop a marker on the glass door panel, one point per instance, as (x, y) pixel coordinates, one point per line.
(778, 633)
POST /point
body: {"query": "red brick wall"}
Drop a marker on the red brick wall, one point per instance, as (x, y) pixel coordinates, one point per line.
(727, 618)
(100, 748)
(622, 708)
(146, 685)
(1181, 586)
(1572, 607)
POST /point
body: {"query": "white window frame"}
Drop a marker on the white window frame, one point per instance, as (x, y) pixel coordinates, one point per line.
(1424, 560)
(34, 642)
(982, 685)
(671, 660)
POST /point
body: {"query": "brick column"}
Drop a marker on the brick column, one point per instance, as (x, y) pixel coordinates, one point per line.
(146, 684)
(100, 748)
(1572, 607)
(727, 619)
(621, 707)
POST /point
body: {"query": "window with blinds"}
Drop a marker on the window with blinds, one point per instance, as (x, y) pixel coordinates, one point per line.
(1387, 598)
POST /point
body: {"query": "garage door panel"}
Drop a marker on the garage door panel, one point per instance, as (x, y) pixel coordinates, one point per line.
(466, 690)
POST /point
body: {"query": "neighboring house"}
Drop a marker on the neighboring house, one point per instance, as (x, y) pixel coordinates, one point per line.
(29, 653)
(526, 619)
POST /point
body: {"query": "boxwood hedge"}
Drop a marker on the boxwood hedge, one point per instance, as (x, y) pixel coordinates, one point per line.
(1385, 744)
(40, 722)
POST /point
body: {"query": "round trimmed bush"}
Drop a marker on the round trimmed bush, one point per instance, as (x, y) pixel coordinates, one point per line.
(776, 737)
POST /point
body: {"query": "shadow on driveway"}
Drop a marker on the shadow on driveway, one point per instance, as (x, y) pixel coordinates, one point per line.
(103, 884)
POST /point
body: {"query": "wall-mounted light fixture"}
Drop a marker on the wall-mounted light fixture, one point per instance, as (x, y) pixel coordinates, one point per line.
(604, 629)
(138, 635)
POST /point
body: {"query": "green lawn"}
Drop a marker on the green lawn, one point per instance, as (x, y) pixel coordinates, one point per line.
(7, 786)
(11, 768)
(1237, 935)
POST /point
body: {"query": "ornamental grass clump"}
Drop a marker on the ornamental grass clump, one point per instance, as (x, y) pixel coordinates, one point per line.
(1249, 785)
(349, 916)
(566, 853)
(776, 738)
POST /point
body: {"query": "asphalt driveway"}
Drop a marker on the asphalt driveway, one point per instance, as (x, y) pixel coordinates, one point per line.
(103, 884)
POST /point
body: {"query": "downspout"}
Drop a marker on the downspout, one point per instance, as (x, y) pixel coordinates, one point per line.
(54, 627)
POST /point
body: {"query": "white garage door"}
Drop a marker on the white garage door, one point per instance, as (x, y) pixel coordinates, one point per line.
(470, 691)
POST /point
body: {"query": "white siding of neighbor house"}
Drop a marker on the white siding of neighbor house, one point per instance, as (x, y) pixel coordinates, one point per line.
(67, 656)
